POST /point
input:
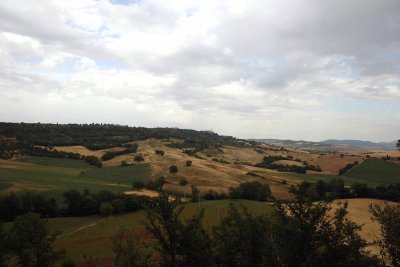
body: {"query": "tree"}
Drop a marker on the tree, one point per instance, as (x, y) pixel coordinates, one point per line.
(242, 239)
(138, 185)
(160, 152)
(250, 190)
(183, 182)
(188, 163)
(124, 163)
(138, 158)
(162, 222)
(106, 209)
(129, 249)
(389, 219)
(398, 144)
(173, 169)
(31, 242)
(180, 242)
(159, 182)
(307, 233)
(5, 250)
(195, 193)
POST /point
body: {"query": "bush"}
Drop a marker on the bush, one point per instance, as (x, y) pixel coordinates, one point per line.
(106, 209)
(173, 169)
(124, 163)
(138, 158)
(160, 152)
(138, 185)
(188, 163)
(183, 182)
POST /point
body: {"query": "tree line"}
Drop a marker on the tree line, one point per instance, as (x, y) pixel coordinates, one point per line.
(268, 163)
(76, 204)
(336, 188)
(102, 136)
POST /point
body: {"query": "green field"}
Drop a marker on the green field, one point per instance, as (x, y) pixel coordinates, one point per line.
(375, 172)
(308, 177)
(92, 236)
(55, 162)
(60, 175)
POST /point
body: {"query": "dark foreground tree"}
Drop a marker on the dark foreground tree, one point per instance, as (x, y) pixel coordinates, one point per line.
(242, 239)
(389, 219)
(307, 233)
(129, 249)
(180, 242)
(31, 242)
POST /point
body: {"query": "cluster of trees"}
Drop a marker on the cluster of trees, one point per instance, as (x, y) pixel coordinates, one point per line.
(130, 148)
(347, 167)
(102, 136)
(268, 163)
(7, 148)
(251, 191)
(78, 204)
(13, 205)
(28, 243)
(86, 203)
(337, 189)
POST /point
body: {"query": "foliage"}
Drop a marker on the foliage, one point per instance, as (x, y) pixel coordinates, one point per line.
(188, 163)
(268, 163)
(251, 191)
(105, 209)
(132, 148)
(138, 185)
(241, 239)
(13, 205)
(160, 152)
(347, 167)
(138, 158)
(304, 234)
(31, 242)
(389, 219)
(183, 182)
(180, 243)
(195, 193)
(129, 249)
(173, 169)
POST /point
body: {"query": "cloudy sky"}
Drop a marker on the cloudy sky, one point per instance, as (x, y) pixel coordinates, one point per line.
(277, 69)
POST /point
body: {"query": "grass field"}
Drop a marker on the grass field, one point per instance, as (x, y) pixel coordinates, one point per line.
(375, 172)
(91, 235)
(60, 175)
(56, 162)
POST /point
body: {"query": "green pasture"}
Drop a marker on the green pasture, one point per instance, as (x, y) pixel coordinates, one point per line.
(375, 172)
(93, 236)
(60, 175)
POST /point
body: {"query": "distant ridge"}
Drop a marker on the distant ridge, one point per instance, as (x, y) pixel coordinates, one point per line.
(326, 144)
(360, 143)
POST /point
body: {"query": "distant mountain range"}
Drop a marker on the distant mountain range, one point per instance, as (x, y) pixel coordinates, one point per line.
(359, 143)
(330, 143)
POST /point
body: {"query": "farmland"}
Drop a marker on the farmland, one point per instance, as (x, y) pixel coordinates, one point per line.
(375, 172)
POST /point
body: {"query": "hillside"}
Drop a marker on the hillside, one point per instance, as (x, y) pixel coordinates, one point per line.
(376, 172)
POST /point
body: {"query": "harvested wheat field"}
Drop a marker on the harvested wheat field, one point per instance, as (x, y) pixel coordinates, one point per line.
(331, 164)
(359, 213)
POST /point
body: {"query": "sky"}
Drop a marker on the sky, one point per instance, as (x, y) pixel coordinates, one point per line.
(287, 69)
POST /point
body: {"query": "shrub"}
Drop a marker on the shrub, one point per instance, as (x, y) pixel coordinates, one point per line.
(188, 163)
(183, 182)
(160, 152)
(173, 169)
(138, 185)
(106, 209)
(124, 163)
